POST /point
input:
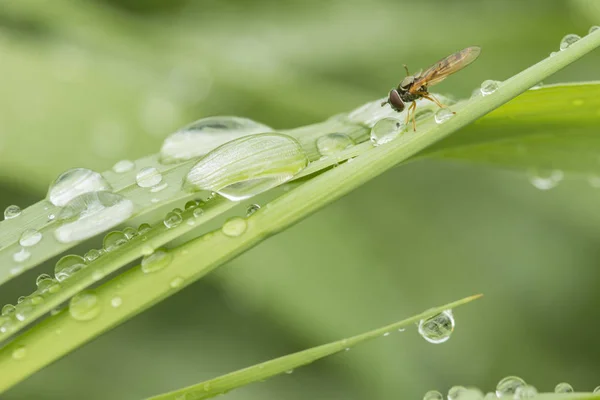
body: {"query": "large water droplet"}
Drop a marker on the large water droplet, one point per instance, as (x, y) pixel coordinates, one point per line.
(84, 306)
(123, 166)
(19, 353)
(433, 395)
(509, 385)
(333, 143)
(114, 240)
(488, 87)
(248, 166)
(568, 40)
(234, 227)
(12, 212)
(386, 130)
(90, 214)
(75, 182)
(563, 387)
(156, 261)
(437, 329)
(205, 135)
(148, 177)
(545, 179)
(21, 256)
(67, 266)
(172, 219)
(525, 392)
(30, 237)
(442, 115)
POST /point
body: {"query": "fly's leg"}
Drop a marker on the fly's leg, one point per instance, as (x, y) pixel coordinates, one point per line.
(430, 97)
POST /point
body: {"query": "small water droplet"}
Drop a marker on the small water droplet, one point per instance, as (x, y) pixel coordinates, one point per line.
(7, 310)
(545, 179)
(433, 395)
(488, 87)
(5, 324)
(84, 306)
(197, 212)
(74, 183)
(333, 143)
(386, 334)
(443, 115)
(385, 130)
(116, 302)
(525, 392)
(568, 40)
(176, 282)
(563, 387)
(172, 219)
(92, 255)
(123, 166)
(67, 266)
(45, 284)
(252, 209)
(24, 309)
(509, 385)
(156, 261)
(30, 237)
(12, 212)
(205, 135)
(21, 255)
(19, 353)
(51, 217)
(191, 204)
(248, 166)
(437, 329)
(148, 177)
(42, 278)
(113, 241)
(143, 228)
(234, 227)
(593, 29)
(456, 392)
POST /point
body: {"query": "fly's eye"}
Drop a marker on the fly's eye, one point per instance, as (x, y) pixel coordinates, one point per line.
(395, 101)
(406, 82)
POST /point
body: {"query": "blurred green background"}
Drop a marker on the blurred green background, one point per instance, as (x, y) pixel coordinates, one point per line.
(89, 82)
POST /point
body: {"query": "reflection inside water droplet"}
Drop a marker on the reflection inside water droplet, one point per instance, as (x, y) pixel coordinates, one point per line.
(437, 329)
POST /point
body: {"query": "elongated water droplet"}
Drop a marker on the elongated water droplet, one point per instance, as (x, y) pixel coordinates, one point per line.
(443, 115)
(12, 212)
(30, 237)
(116, 302)
(568, 40)
(234, 227)
(67, 266)
(84, 306)
(525, 392)
(545, 179)
(433, 395)
(488, 87)
(248, 166)
(21, 256)
(252, 209)
(156, 261)
(172, 219)
(19, 353)
(205, 135)
(509, 385)
(385, 130)
(74, 183)
(90, 214)
(148, 177)
(114, 240)
(123, 166)
(563, 387)
(437, 329)
(333, 143)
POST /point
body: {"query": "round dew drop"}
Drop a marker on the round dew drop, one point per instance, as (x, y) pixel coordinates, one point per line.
(563, 387)
(156, 261)
(234, 227)
(84, 306)
(12, 212)
(143, 228)
(443, 115)
(74, 183)
(148, 177)
(172, 219)
(113, 241)
(488, 87)
(508, 386)
(568, 40)
(252, 209)
(433, 395)
(7, 309)
(385, 130)
(333, 143)
(437, 329)
(197, 212)
(456, 392)
(123, 166)
(30, 237)
(67, 266)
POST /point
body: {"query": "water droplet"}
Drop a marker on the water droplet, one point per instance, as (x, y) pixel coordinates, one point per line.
(386, 334)
(563, 387)
(113, 241)
(509, 385)
(443, 115)
(8, 309)
(129, 232)
(545, 180)
(84, 306)
(92, 255)
(333, 143)
(172, 219)
(248, 166)
(12, 212)
(67, 266)
(197, 212)
(42, 278)
(21, 255)
(116, 302)
(156, 261)
(51, 217)
(159, 187)
(148, 177)
(525, 392)
(488, 87)
(176, 282)
(234, 227)
(24, 309)
(5, 324)
(90, 214)
(597, 390)
(19, 353)
(456, 392)
(45, 284)
(191, 204)
(30, 237)
(553, 53)
(437, 329)
(592, 30)
(433, 395)
(252, 209)
(74, 183)
(205, 135)
(568, 40)
(143, 228)
(123, 166)
(386, 130)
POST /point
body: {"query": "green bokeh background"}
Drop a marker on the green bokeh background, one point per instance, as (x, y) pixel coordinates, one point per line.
(85, 83)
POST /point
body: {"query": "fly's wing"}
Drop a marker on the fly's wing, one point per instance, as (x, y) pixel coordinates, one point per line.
(445, 67)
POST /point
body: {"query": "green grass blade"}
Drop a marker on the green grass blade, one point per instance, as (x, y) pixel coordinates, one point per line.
(256, 373)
